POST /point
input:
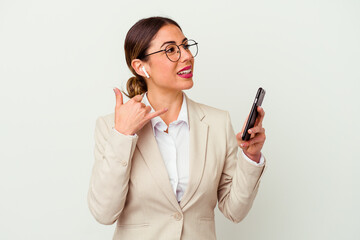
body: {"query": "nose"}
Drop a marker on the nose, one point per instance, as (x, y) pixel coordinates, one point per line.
(185, 54)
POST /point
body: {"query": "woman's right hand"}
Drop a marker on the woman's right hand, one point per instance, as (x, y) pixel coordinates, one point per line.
(133, 115)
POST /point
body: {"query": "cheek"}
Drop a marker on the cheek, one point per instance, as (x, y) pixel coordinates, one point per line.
(165, 71)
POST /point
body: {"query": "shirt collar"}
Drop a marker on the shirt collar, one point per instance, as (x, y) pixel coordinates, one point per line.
(157, 122)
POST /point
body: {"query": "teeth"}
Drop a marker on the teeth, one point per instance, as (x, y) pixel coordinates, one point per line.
(185, 72)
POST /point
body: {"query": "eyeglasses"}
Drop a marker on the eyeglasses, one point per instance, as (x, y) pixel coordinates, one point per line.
(173, 52)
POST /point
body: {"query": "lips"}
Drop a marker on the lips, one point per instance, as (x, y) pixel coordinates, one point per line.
(185, 70)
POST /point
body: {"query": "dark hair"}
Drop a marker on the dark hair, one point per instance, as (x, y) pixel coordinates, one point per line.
(137, 42)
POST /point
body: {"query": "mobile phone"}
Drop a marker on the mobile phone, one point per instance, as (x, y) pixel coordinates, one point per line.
(253, 113)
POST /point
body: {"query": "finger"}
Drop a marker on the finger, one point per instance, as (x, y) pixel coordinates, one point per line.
(261, 114)
(257, 139)
(245, 145)
(259, 119)
(255, 136)
(155, 114)
(147, 109)
(143, 105)
(239, 136)
(242, 144)
(137, 98)
(257, 129)
(119, 97)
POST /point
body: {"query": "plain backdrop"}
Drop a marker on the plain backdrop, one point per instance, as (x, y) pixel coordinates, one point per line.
(59, 61)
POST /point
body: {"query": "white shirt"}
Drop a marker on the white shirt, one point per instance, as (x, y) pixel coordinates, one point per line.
(174, 147)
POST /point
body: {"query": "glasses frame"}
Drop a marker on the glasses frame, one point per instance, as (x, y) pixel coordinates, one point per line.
(178, 46)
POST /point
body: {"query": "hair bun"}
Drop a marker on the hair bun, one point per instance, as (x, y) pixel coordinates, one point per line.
(136, 85)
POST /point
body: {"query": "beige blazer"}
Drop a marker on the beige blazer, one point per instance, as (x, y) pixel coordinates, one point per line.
(130, 183)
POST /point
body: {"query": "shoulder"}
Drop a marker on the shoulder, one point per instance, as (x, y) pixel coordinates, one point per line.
(212, 110)
(105, 121)
(218, 120)
(210, 114)
(109, 118)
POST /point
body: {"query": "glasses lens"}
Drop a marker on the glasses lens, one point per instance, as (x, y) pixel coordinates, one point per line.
(191, 46)
(172, 52)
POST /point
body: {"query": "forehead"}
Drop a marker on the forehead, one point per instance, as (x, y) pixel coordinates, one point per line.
(165, 34)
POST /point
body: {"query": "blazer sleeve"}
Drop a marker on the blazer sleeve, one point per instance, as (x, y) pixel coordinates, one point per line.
(111, 172)
(239, 180)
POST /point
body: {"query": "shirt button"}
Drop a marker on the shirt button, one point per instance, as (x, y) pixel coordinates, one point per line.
(124, 163)
(177, 216)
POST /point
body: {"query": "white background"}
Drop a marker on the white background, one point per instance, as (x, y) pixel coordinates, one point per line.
(60, 59)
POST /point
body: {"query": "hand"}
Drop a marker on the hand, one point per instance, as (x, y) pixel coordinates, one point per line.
(252, 147)
(133, 115)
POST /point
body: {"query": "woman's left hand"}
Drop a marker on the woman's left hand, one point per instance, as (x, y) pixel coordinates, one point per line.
(252, 147)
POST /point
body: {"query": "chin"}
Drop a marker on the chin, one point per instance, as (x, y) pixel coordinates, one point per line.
(188, 84)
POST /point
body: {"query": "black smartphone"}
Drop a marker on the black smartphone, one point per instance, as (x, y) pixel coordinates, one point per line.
(253, 113)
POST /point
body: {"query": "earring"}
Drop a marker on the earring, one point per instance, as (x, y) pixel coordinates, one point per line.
(146, 74)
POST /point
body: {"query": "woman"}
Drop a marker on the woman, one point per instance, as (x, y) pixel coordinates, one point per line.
(162, 161)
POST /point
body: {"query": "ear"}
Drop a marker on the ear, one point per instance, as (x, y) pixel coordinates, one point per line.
(137, 65)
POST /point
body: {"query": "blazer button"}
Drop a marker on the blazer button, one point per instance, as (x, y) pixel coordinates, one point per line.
(124, 163)
(177, 216)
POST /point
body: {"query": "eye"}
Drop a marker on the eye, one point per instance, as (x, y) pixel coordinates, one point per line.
(170, 49)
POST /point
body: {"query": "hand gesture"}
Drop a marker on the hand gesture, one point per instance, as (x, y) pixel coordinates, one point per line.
(133, 115)
(252, 147)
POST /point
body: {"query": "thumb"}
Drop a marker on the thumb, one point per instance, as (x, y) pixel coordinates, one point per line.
(238, 136)
(119, 97)
(241, 143)
(137, 98)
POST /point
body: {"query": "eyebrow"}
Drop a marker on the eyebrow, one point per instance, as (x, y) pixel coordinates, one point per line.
(172, 42)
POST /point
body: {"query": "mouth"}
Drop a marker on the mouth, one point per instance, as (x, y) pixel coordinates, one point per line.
(186, 72)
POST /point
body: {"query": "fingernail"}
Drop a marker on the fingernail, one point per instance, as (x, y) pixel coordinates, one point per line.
(250, 131)
(241, 145)
(114, 90)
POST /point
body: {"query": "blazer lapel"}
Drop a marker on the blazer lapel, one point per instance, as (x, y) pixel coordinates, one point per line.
(150, 152)
(197, 149)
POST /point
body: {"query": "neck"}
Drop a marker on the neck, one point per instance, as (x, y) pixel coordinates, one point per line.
(170, 100)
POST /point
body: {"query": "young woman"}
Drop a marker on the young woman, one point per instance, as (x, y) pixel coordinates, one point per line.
(163, 161)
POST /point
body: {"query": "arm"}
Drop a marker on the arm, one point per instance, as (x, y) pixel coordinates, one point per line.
(239, 181)
(114, 149)
(111, 172)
